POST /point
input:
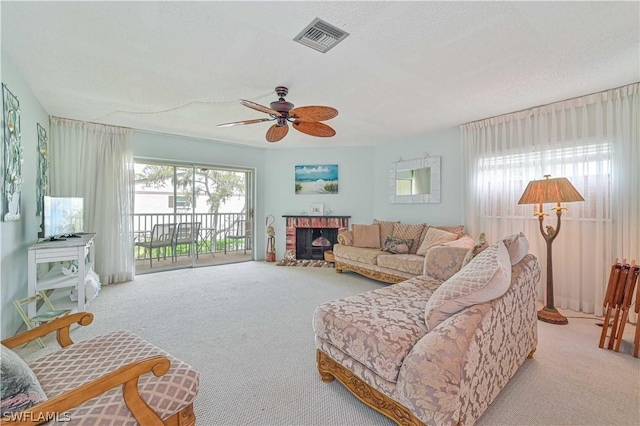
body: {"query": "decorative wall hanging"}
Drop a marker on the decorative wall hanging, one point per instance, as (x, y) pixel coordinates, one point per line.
(415, 181)
(12, 184)
(271, 239)
(42, 179)
(316, 209)
(317, 179)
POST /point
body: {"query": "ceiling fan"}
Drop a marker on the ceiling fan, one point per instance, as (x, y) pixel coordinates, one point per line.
(304, 119)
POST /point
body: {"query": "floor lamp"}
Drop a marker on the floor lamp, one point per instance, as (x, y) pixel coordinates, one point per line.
(556, 190)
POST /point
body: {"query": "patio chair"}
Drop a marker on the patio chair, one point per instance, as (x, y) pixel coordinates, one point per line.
(186, 233)
(237, 231)
(162, 236)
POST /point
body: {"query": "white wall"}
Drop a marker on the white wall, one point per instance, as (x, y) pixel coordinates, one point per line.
(155, 146)
(16, 237)
(356, 172)
(447, 145)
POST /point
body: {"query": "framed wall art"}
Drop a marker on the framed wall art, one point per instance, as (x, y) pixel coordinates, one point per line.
(12, 156)
(42, 177)
(316, 209)
(316, 179)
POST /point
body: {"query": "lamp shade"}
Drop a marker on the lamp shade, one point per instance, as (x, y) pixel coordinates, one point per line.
(556, 190)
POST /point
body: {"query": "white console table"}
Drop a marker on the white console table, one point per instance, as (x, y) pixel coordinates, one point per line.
(78, 249)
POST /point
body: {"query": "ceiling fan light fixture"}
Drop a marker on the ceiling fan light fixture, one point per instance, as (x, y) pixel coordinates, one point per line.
(321, 36)
(305, 119)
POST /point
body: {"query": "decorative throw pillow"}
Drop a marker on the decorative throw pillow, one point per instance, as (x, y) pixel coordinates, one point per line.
(480, 244)
(20, 388)
(464, 242)
(386, 229)
(346, 238)
(518, 247)
(397, 245)
(435, 237)
(459, 229)
(413, 232)
(366, 236)
(485, 278)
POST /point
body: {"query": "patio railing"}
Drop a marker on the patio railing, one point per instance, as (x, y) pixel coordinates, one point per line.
(211, 238)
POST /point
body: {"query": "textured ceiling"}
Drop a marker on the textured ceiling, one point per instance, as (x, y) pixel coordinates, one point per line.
(407, 68)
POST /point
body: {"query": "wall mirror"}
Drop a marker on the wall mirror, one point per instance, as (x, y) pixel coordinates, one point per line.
(415, 181)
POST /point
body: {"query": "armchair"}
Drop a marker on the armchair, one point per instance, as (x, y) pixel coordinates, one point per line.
(105, 380)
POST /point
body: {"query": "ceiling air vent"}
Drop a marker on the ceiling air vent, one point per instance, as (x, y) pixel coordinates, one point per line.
(320, 35)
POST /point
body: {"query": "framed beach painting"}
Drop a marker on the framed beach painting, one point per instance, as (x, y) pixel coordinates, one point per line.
(316, 179)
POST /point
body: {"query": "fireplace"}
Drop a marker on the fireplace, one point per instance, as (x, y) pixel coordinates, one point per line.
(311, 243)
(310, 236)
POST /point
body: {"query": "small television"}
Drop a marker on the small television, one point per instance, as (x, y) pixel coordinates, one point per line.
(62, 217)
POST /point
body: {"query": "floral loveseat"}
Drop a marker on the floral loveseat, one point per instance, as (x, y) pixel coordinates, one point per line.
(392, 252)
(428, 352)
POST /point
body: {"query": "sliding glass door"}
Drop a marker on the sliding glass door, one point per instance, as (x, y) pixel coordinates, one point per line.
(188, 215)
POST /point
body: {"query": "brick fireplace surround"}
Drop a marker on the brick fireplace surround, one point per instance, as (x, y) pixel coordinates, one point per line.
(293, 223)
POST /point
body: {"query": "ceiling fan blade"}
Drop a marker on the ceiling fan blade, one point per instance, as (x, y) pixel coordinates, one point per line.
(314, 129)
(241, 123)
(313, 113)
(275, 132)
(260, 108)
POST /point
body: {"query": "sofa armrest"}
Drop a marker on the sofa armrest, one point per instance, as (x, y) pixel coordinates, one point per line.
(442, 262)
(127, 376)
(346, 238)
(479, 347)
(431, 375)
(60, 325)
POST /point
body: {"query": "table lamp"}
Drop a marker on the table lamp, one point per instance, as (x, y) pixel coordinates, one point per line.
(556, 190)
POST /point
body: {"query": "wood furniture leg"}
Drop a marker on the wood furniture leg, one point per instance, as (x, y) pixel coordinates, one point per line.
(618, 298)
(626, 303)
(636, 341)
(329, 368)
(608, 300)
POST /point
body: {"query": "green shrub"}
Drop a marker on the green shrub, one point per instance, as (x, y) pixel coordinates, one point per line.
(331, 187)
(298, 187)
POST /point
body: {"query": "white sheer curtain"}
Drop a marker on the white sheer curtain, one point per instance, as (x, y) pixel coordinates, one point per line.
(594, 141)
(95, 162)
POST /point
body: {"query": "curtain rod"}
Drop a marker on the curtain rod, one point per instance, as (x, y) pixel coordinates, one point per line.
(89, 122)
(550, 103)
(155, 132)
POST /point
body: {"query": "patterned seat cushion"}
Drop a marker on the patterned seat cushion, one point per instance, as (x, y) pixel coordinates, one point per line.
(377, 328)
(411, 263)
(359, 254)
(79, 363)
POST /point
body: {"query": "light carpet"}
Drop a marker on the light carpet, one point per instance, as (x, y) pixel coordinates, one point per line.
(247, 328)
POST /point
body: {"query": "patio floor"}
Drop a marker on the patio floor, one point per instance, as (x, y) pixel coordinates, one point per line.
(206, 259)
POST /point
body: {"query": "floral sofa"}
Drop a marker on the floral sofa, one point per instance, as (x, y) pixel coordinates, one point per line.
(392, 252)
(431, 352)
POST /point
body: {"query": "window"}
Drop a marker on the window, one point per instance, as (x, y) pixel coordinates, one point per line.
(182, 202)
(502, 178)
